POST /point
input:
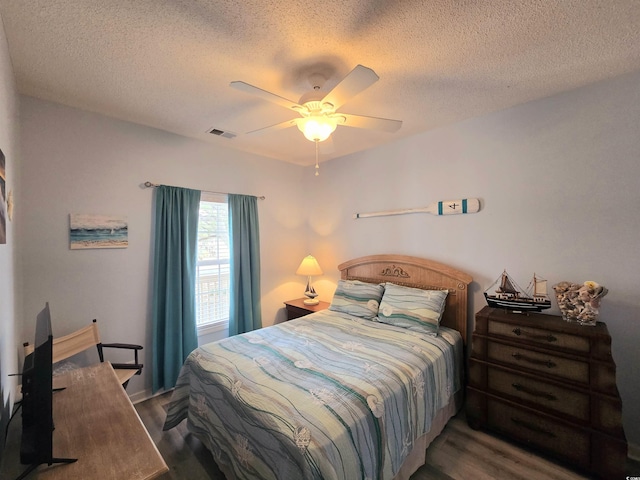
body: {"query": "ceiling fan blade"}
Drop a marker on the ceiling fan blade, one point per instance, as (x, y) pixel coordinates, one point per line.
(355, 82)
(373, 123)
(277, 126)
(271, 97)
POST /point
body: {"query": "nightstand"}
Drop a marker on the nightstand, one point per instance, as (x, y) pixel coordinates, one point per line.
(296, 308)
(549, 385)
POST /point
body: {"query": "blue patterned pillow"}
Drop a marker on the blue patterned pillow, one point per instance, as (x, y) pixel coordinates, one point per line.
(412, 308)
(357, 298)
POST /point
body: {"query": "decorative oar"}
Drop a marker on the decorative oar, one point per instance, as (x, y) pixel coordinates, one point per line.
(445, 207)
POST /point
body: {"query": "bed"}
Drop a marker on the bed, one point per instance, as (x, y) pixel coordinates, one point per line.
(335, 394)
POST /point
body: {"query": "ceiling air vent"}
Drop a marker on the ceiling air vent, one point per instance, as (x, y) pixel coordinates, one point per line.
(221, 133)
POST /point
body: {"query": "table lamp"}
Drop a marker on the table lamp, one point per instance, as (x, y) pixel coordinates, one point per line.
(309, 267)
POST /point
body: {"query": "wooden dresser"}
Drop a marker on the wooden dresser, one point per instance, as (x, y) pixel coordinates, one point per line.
(550, 385)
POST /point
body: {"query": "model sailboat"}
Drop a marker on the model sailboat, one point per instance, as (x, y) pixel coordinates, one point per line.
(510, 295)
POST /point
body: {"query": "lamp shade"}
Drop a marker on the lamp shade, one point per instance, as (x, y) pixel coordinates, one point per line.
(309, 267)
(317, 127)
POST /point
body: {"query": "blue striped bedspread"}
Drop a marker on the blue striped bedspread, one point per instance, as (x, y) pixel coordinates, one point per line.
(326, 396)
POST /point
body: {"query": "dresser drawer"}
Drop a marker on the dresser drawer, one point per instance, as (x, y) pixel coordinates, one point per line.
(539, 336)
(296, 312)
(297, 308)
(537, 431)
(559, 367)
(561, 400)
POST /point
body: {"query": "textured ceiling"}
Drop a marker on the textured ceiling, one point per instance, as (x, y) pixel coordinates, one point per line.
(168, 63)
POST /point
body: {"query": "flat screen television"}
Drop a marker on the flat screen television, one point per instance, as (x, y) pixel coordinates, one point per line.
(36, 443)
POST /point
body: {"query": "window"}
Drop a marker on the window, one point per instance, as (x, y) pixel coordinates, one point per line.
(212, 270)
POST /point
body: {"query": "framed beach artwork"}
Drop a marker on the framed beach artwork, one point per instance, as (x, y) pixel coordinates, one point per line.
(3, 200)
(97, 231)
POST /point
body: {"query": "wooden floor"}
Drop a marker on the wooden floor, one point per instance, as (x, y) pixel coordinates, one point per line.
(458, 453)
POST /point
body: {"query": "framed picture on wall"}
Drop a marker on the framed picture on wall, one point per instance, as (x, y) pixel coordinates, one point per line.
(97, 231)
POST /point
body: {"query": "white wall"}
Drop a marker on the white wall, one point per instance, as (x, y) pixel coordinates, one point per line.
(558, 179)
(8, 252)
(80, 162)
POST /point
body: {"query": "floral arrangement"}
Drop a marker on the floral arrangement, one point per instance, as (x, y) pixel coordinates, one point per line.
(580, 303)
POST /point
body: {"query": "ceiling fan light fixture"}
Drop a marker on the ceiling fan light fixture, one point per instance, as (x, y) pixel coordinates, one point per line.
(316, 127)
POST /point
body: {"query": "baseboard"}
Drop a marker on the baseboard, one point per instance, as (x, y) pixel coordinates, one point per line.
(633, 452)
(146, 395)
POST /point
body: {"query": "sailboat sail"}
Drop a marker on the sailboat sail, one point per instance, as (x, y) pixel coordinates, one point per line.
(506, 286)
(540, 289)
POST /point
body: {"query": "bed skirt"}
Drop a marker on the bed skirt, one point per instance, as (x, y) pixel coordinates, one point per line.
(418, 455)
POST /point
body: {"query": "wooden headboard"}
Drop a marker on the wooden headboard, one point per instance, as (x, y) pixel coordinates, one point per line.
(418, 273)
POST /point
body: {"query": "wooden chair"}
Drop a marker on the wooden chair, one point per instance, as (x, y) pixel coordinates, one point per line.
(87, 337)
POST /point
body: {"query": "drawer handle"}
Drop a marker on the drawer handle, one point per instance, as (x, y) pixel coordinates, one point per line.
(535, 393)
(549, 338)
(532, 427)
(535, 361)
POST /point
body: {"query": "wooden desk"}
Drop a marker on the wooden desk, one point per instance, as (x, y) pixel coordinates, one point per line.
(96, 423)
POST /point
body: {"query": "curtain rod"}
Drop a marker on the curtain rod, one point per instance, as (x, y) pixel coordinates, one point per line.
(153, 185)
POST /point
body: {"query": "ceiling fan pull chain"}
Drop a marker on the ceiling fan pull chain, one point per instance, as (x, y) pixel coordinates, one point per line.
(317, 167)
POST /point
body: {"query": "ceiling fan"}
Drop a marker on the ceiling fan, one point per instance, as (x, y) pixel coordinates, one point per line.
(318, 117)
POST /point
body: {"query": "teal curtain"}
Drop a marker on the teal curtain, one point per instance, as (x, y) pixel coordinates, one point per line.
(175, 254)
(244, 311)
